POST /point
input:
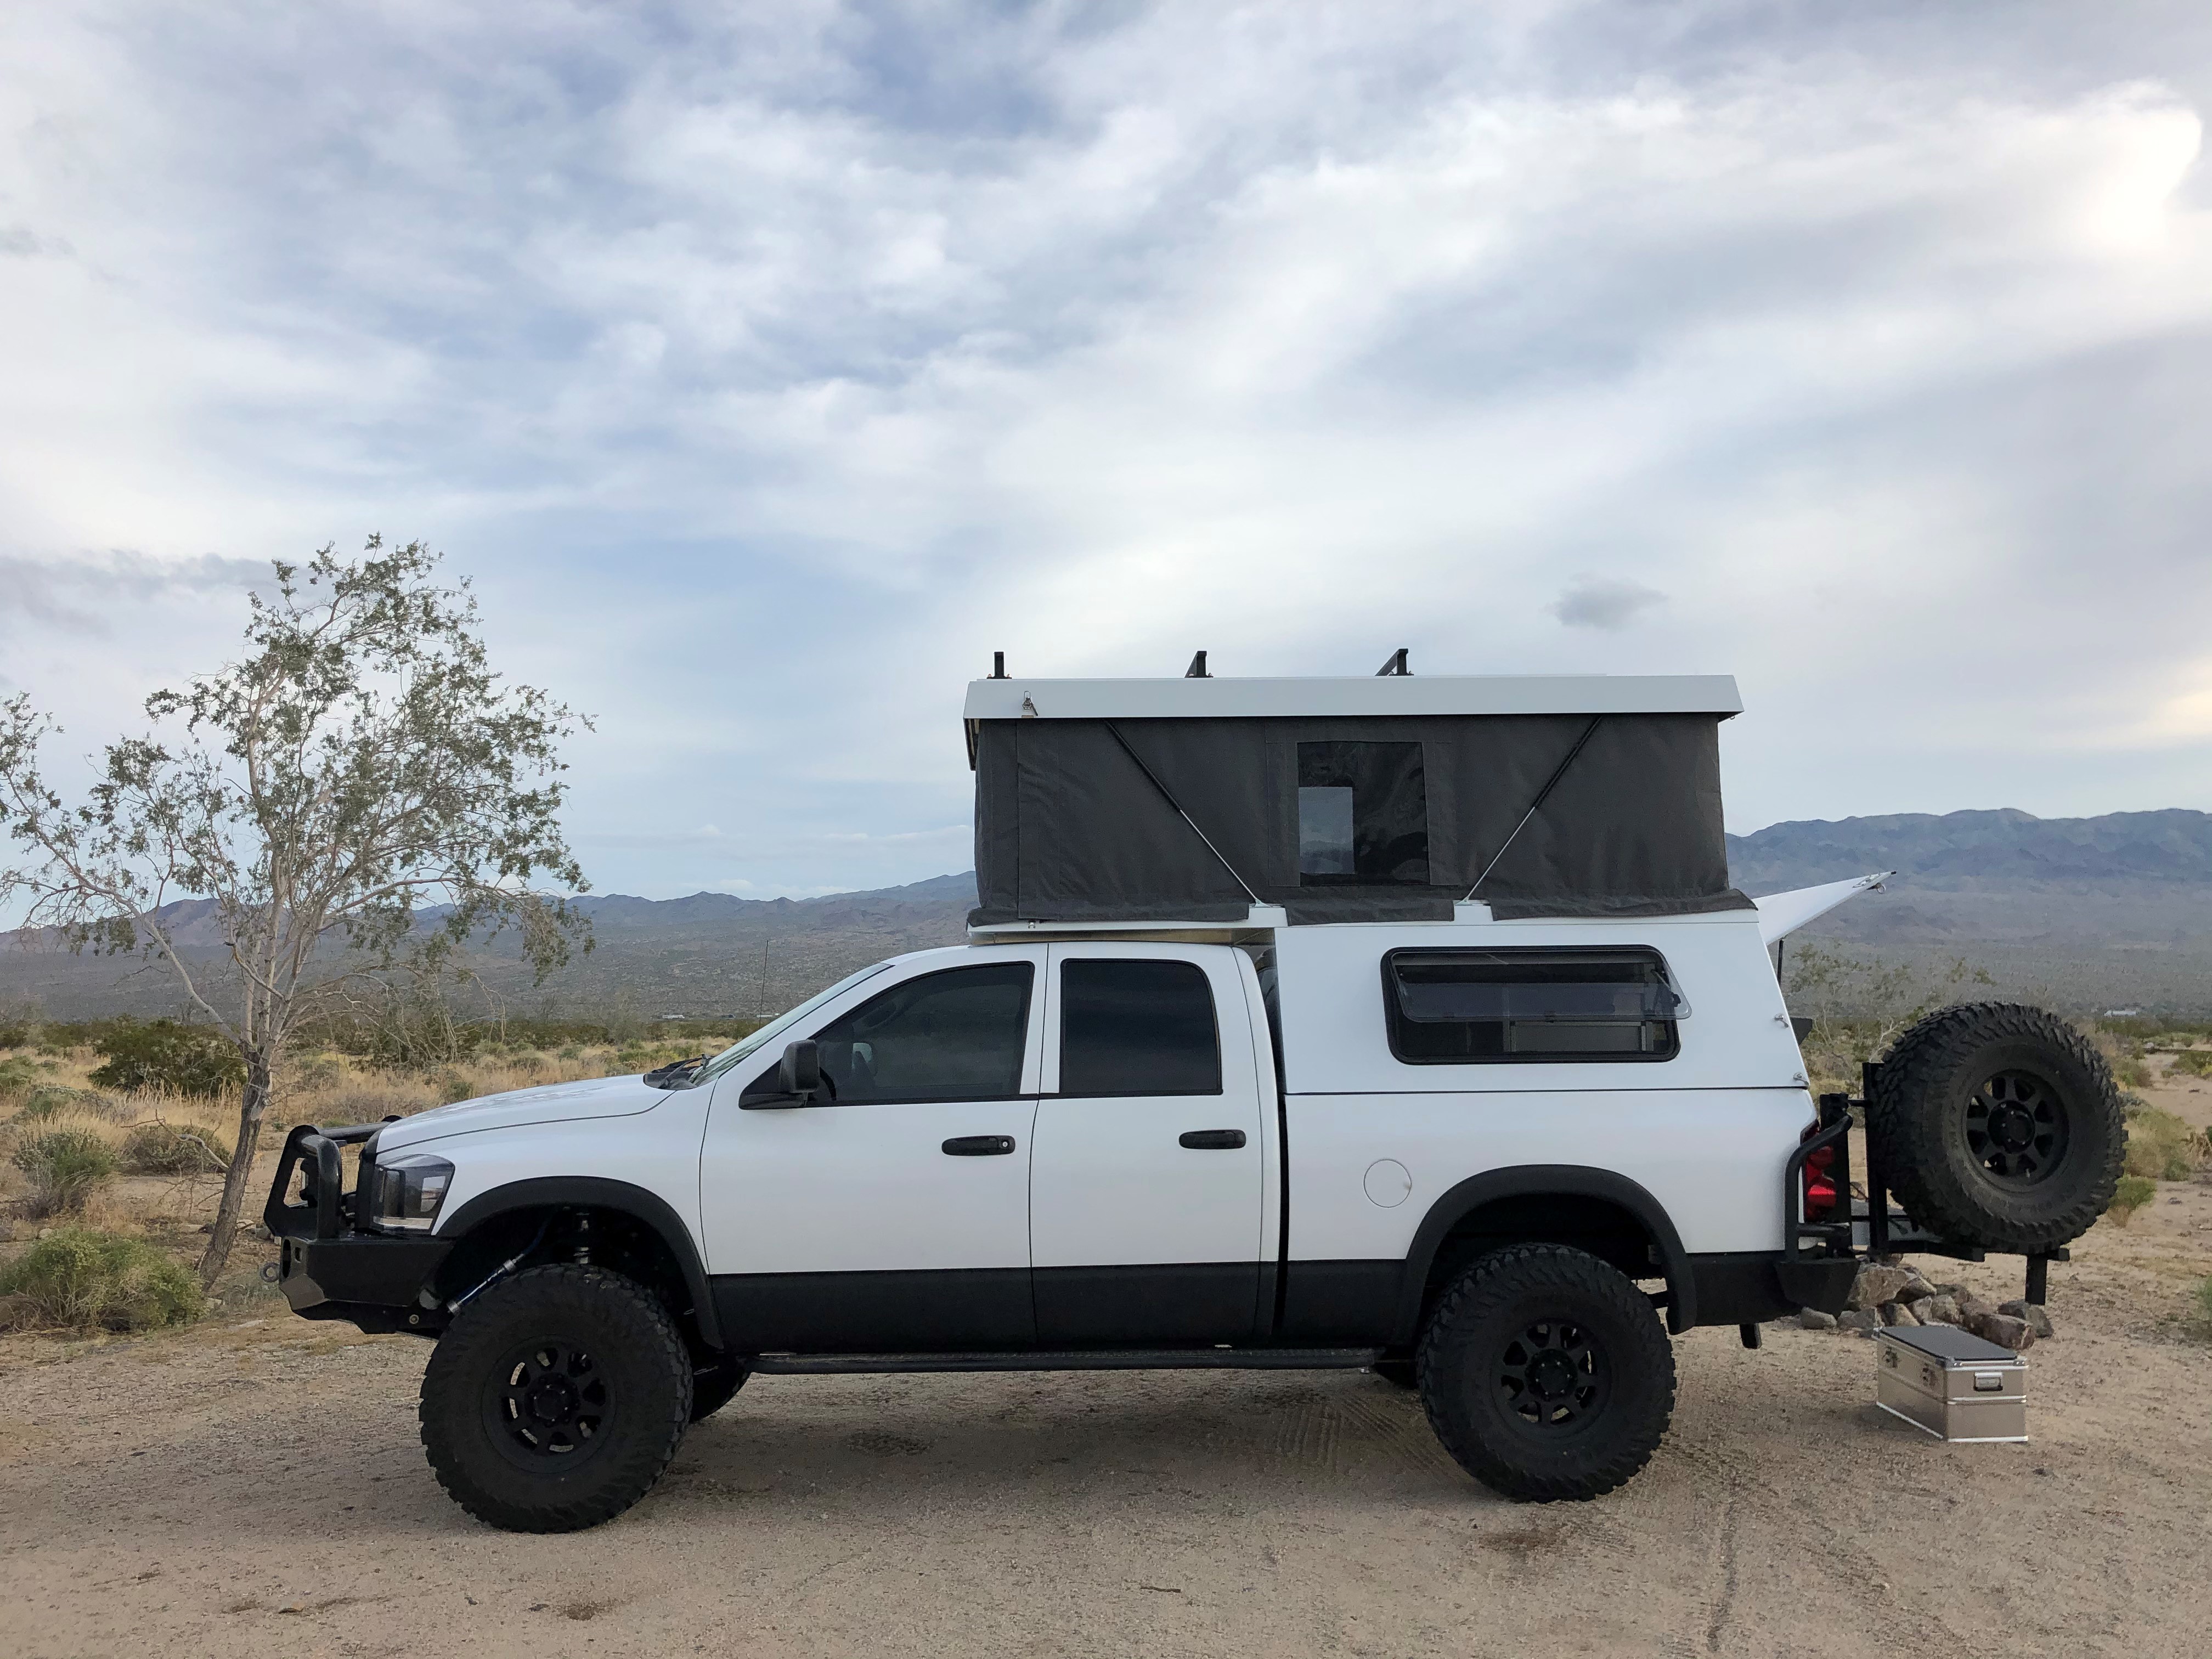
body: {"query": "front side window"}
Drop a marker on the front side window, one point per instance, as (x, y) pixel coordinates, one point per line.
(1136, 1028)
(954, 1035)
(1469, 1008)
(753, 1042)
(1362, 814)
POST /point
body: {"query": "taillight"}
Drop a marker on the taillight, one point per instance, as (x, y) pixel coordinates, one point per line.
(1820, 1200)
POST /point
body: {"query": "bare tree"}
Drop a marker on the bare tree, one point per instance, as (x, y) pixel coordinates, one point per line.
(363, 762)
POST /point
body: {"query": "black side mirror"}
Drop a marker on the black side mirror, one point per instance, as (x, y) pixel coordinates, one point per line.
(800, 1071)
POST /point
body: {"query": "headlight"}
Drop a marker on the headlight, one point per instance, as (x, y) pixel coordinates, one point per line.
(409, 1187)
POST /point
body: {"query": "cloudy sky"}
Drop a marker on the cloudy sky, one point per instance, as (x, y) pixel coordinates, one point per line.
(769, 366)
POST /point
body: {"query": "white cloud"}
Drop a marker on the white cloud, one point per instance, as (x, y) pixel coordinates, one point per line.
(771, 367)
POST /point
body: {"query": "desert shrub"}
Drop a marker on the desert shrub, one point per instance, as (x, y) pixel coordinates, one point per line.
(449, 1085)
(2194, 1062)
(66, 1167)
(2132, 1194)
(15, 1034)
(80, 1278)
(318, 1071)
(369, 1103)
(2204, 1307)
(189, 1059)
(57, 1100)
(18, 1072)
(163, 1149)
(2160, 1145)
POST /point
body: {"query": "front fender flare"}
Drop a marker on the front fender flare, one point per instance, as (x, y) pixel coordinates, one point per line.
(1534, 1180)
(598, 1193)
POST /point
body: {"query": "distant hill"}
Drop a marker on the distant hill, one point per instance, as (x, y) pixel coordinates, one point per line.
(1973, 850)
(2107, 911)
(2080, 912)
(708, 954)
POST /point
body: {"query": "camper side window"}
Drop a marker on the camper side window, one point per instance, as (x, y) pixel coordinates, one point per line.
(1362, 814)
(1477, 1008)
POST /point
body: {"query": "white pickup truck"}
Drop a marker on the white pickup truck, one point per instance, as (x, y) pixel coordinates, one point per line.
(1484, 1155)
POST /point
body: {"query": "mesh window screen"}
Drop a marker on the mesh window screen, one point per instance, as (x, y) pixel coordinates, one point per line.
(1362, 813)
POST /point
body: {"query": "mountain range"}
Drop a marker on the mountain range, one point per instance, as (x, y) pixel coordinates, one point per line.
(2082, 913)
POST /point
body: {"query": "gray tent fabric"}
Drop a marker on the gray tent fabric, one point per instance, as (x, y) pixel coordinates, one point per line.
(1068, 828)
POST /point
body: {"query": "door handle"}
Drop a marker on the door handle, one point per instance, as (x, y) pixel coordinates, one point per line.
(1209, 1140)
(979, 1145)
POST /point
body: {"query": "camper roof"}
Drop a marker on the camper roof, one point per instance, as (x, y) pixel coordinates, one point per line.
(1016, 698)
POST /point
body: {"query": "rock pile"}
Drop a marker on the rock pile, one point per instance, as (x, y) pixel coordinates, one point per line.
(1890, 1293)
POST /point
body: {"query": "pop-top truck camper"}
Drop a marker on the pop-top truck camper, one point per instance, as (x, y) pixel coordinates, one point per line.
(1409, 1024)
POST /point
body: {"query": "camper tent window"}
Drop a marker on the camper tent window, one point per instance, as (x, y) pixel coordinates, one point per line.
(1471, 1008)
(1362, 813)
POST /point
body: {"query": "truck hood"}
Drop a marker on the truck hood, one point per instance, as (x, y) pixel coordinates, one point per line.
(552, 1102)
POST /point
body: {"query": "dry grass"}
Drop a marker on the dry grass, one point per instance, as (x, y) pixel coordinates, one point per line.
(2162, 1146)
(2132, 1194)
(2192, 1062)
(173, 1209)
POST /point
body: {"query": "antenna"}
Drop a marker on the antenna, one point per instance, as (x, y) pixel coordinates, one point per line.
(998, 665)
(1395, 668)
(1197, 669)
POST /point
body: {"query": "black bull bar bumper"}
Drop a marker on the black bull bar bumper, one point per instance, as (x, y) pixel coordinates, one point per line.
(327, 1268)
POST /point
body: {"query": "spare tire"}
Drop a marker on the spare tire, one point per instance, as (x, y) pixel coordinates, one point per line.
(1998, 1124)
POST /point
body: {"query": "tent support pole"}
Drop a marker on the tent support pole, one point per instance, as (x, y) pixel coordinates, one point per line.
(1535, 806)
(1168, 796)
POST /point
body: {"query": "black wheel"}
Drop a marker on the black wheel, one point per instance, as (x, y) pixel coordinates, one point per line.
(1546, 1375)
(712, 1387)
(1998, 1125)
(556, 1398)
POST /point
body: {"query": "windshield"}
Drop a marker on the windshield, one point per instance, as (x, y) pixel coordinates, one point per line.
(775, 1028)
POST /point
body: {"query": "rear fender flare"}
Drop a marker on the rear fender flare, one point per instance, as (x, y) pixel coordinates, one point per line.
(597, 1192)
(1536, 1180)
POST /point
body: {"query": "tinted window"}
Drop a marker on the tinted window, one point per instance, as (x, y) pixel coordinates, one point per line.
(1470, 1007)
(955, 1036)
(1362, 813)
(1136, 1028)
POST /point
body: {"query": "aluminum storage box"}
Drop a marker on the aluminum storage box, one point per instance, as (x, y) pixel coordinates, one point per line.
(1951, 1382)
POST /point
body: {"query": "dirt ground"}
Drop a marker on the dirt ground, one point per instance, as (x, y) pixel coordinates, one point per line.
(256, 1487)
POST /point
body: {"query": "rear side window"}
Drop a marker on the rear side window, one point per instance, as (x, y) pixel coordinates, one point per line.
(1138, 1028)
(1463, 1007)
(953, 1036)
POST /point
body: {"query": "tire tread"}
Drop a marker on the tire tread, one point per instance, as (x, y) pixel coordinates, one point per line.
(594, 1291)
(1478, 1294)
(1904, 1122)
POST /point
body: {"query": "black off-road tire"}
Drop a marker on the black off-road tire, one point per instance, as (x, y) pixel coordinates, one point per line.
(1998, 1125)
(713, 1387)
(1547, 1374)
(556, 1398)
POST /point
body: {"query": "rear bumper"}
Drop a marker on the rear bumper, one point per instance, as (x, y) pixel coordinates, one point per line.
(1752, 1288)
(1823, 1286)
